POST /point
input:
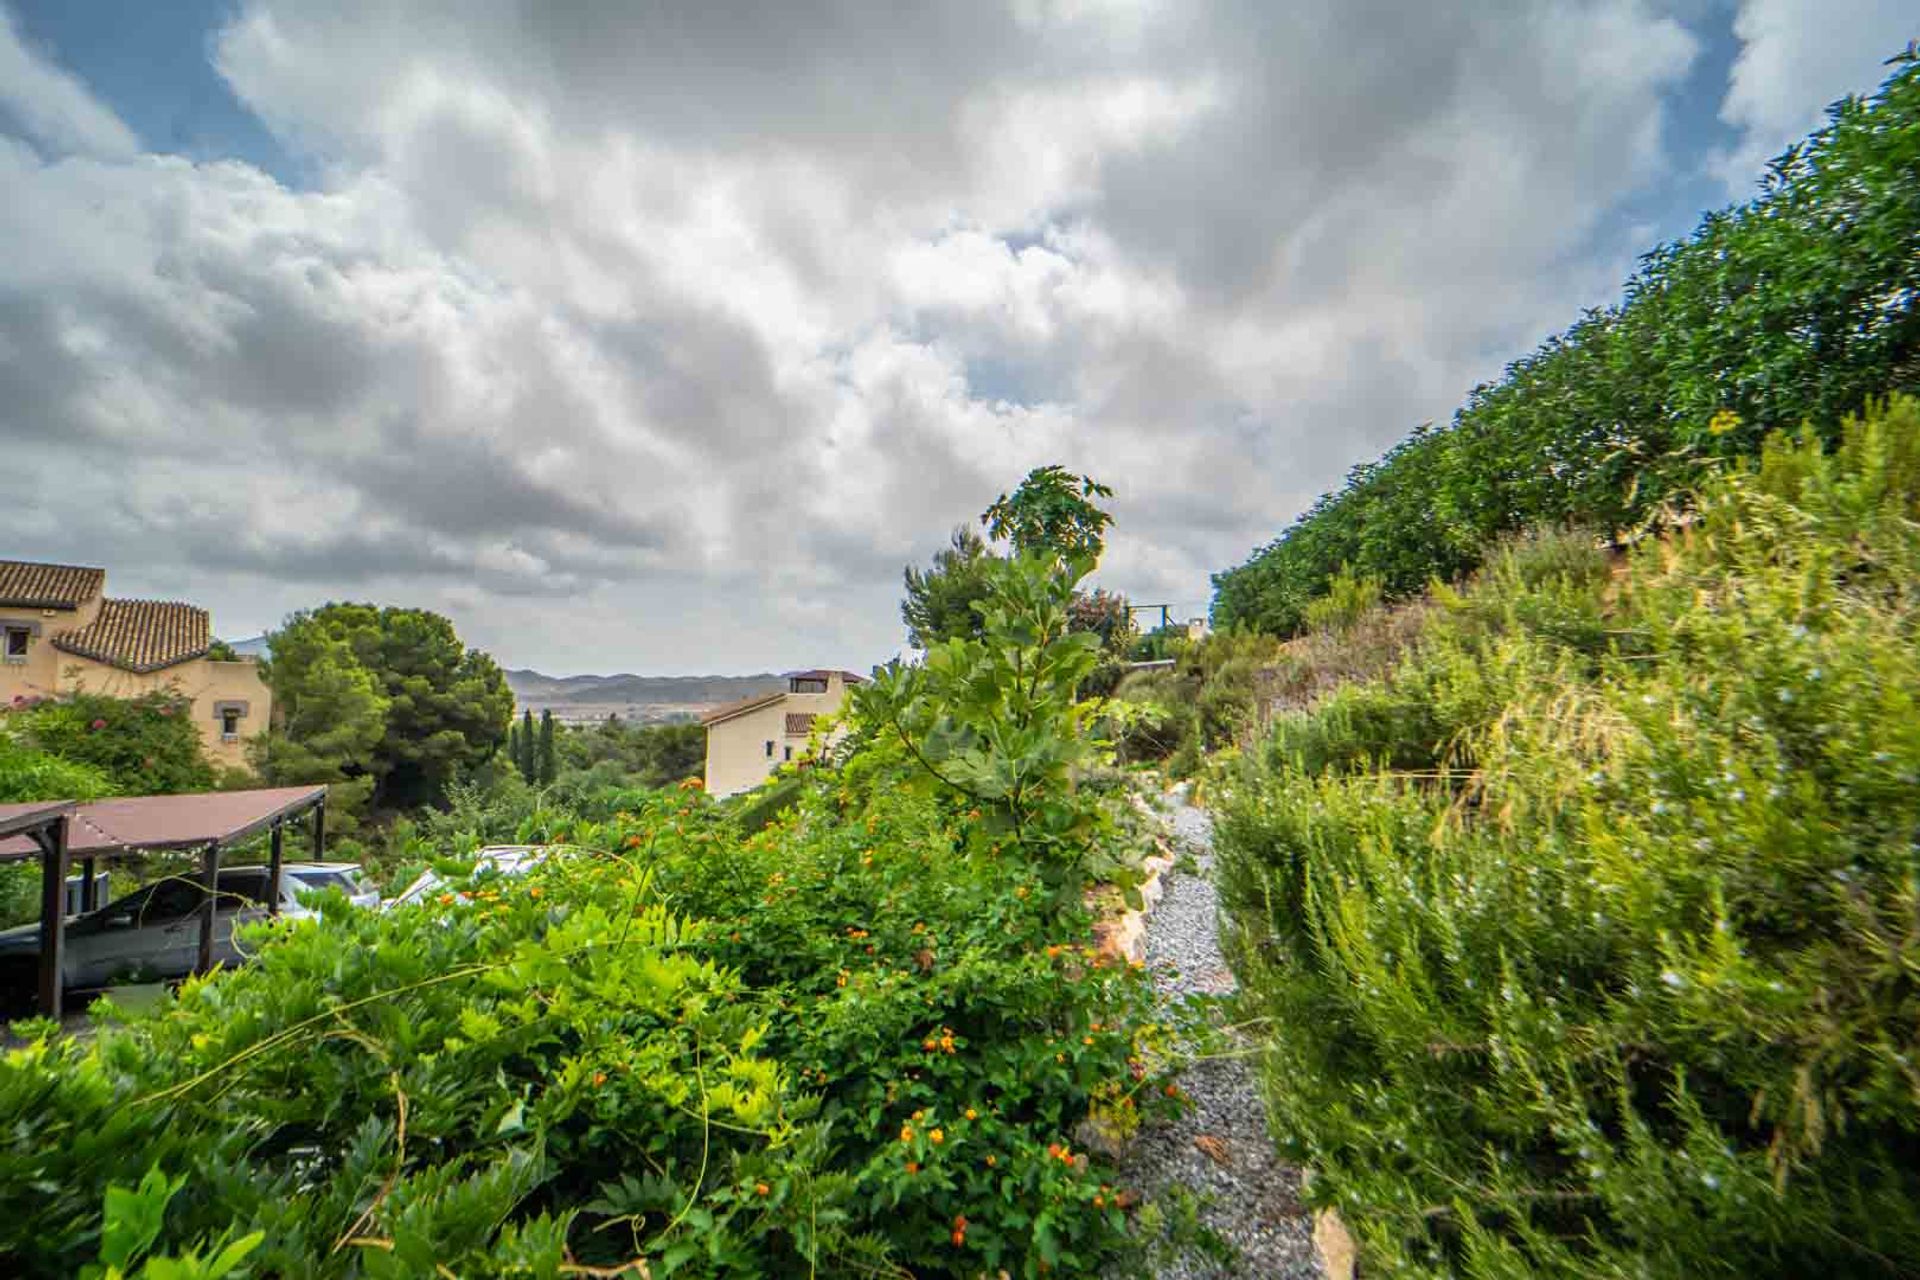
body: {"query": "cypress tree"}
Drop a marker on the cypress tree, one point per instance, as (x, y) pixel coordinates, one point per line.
(524, 761)
(548, 763)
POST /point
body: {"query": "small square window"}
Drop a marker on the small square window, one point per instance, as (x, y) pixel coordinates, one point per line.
(17, 639)
(229, 725)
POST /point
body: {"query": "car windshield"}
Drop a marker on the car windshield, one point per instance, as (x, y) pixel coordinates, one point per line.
(341, 878)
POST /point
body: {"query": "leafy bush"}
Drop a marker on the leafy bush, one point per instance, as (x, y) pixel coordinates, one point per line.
(1794, 307)
(1624, 986)
(1210, 699)
(858, 1039)
(147, 745)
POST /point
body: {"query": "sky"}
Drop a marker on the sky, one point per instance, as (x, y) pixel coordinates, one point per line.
(659, 337)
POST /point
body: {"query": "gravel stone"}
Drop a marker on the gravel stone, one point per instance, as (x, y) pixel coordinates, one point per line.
(1248, 1197)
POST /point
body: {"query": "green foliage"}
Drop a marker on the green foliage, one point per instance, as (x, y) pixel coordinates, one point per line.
(147, 745)
(996, 721)
(939, 604)
(386, 698)
(1347, 601)
(614, 753)
(546, 761)
(858, 1040)
(1795, 307)
(1209, 699)
(29, 772)
(1589, 927)
(1052, 512)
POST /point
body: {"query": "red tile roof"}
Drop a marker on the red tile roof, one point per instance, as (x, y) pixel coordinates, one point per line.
(25, 584)
(824, 673)
(799, 722)
(140, 635)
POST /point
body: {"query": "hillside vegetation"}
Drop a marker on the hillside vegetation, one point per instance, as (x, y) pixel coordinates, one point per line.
(1585, 935)
(1793, 308)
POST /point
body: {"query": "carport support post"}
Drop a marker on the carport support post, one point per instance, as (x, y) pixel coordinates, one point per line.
(210, 884)
(89, 893)
(320, 830)
(53, 913)
(273, 873)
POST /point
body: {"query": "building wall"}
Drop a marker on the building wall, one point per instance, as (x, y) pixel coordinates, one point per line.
(737, 758)
(39, 675)
(48, 672)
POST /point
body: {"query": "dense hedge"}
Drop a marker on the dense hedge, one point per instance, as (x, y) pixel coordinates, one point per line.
(1796, 306)
(1590, 931)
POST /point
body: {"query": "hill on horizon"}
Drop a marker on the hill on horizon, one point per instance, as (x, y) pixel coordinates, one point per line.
(632, 697)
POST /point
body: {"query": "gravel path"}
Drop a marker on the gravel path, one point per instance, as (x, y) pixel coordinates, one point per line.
(1219, 1150)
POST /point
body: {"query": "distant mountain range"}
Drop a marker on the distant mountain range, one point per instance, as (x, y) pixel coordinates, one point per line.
(578, 699)
(631, 697)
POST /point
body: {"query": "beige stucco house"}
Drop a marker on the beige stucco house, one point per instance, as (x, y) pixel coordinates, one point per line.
(748, 740)
(60, 631)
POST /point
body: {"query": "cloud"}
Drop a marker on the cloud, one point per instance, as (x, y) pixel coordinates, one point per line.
(662, 338)
(1796, 56)
(53, 107)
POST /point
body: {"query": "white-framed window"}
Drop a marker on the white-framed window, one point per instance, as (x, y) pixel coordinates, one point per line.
(14, 646)
(230, 724)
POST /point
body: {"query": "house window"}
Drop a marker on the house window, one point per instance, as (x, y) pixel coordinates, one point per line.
(16, 644)
(807, 684)
(229, 724)
(769, 748)
(789, 754)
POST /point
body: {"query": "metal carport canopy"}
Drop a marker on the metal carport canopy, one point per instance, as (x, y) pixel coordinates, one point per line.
(139, 824)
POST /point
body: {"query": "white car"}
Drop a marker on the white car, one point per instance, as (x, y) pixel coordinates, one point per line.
(344, 876)
(496, 859)
(152, 933)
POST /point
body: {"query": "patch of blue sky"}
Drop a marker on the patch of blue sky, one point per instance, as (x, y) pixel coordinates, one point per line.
(150, 62)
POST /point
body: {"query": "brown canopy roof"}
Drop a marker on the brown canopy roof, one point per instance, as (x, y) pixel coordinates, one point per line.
(170, 822)
(25, 584)
(16, 818)
(141, 635)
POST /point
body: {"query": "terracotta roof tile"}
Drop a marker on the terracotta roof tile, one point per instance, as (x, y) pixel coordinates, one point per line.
(799, 722)
(27, 585)
(140, 635)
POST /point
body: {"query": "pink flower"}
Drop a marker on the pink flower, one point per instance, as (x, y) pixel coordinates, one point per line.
(99, 724)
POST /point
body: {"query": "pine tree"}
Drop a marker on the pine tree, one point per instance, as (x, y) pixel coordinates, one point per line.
(548, 763)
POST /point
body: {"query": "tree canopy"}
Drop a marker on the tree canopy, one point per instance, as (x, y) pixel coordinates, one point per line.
(1798, 306)
(939, 604)
(387, 697)
(1052, 511)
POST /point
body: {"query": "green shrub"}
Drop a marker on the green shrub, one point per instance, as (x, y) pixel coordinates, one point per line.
(1797, 306)
(1629, 990)
(147, 745)
(858, 1039)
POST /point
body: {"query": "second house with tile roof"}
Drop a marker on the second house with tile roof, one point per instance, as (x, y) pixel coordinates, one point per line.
(749, 739)
(61, 632)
